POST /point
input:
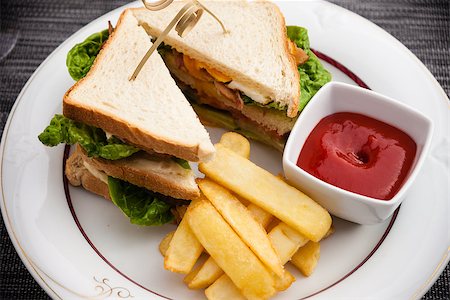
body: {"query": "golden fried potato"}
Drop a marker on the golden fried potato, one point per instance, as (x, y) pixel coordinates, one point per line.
(224, 289)
(329, 232)
(184, 248)
(209, 272)
(164, 244)
(192, 273)
(240, 203)
(283, 282)
(243, 223)
(293, 235)
(205, 275)
(306, 258)
(230, 252)
(236, 143)
(267, 191)
(283, 245)
(260, 215)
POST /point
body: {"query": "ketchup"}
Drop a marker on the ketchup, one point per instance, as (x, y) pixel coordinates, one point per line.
(359, 154)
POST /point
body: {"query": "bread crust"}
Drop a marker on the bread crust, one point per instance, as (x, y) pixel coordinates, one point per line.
(124, 131)
(292, 110)
(151, 181)
(131, 134)
(78, 174)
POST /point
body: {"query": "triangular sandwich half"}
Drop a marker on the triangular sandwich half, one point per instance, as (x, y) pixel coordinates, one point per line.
(135, 137)
(149, 112)
(249, 72)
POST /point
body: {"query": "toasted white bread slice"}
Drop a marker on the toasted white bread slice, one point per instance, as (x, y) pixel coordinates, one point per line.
(254, 53)
(149, 112)
(87, 180)
(79, 175)
(155, 173)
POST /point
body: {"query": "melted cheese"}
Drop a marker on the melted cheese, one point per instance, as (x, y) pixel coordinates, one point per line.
(163, 167)
(96, 173)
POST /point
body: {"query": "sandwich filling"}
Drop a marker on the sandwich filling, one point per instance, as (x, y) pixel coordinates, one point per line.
(140, 205)
(144, 197)
(95, 141)
(216, 97)
(221, 101)
(96, 173)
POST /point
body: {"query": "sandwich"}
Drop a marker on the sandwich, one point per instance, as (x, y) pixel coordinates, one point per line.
(254, 79)
(134, 138)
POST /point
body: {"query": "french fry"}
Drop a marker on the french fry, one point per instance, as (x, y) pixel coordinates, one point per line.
(164, 244)
(267, 191)
(245, 262)
(230, 252)
(184, 248)
(209, 272)
(283, 245)
(205, 275)
(329, 232)
(285, 248)
(293, 235)
(249, 230)
(285, 242)
(272, 224)
(194, 271)
(236, 143)
(260, 215)
(223, 289)
(283, 282)
(306, 258)
(242, 200)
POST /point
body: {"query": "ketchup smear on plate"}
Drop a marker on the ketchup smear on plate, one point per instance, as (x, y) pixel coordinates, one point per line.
(359, 154)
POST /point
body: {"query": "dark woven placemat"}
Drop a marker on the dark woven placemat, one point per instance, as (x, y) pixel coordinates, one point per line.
(31, 30)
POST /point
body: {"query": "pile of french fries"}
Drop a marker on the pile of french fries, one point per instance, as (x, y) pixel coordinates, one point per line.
(249, 223)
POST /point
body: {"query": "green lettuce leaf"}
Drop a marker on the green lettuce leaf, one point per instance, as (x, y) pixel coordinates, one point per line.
(92, 139)
(182, 162)
(81, 57)
(312, 77)
(139, 204)
(249, 101)
(312, 73)
(299, 35)
(223, 119)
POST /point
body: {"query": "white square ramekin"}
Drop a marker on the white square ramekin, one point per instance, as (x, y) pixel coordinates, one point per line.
(339, 97)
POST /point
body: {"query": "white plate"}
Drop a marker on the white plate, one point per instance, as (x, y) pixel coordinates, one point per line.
(119, 260)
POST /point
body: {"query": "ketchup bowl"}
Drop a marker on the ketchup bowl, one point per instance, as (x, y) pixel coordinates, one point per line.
(356, 152)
